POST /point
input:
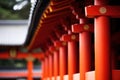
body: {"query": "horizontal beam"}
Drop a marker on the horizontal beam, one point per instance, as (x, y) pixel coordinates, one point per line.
(78, 28)
(20, 55)
(70, 37)
(94, 11)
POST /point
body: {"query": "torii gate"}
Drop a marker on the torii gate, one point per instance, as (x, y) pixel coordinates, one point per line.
(20, 55)
(62, 16)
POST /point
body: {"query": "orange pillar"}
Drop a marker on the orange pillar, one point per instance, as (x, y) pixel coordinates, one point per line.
(43, 69)
(30, 69)
(46, 68)
(50, 56)
(73, 61)
(84, 29)
(63, 61)
(102, 46)
(56, 64)
(85, 51)
(72, 58)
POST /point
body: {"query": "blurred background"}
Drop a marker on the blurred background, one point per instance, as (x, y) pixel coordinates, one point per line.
(12, 13)
(14, 9)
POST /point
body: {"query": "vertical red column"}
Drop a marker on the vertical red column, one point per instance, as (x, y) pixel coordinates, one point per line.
(50, 66)
(102, 46)
(72, 58)
(46, 68)
(56, 64)
(63, 61)
(62, 46)
(84, 29)
(30, 69)
(85, 51)
(43, 69)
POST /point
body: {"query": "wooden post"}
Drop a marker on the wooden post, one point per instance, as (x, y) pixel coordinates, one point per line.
(46, 68)
(63, 61)
(85, 51)
(73, 61)
(102, 46)
(43, 69)
(30, 60)
(56, 64)
(50, 56)
(62, 46)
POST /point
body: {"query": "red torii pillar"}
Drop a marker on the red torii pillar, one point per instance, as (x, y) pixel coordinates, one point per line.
(72, 54)
(46, 67)
(50, 56)
(103, 69)
(102, 47)
(42, 60)
(30, 64)
(43, 68)
(54, 50)
(55, 62)
(85, 45)
(19, 55)
(30, 69)
(62, 58)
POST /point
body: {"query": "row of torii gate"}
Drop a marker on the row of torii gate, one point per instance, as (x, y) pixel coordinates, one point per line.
(66, 60)
(71, 57)
(29, 57)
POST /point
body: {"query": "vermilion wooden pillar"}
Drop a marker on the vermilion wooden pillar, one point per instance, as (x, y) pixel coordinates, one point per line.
(85, 50)
(56, 63)
(30, 69)
(102, 14)
(63, 61)
(62, 58)
(84, 29)
(46, 68)
(43, 69)
(50, 66)
(72, 54)
(72, 63)
(102, 46)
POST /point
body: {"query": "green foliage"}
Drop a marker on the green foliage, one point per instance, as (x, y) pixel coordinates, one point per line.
(12, 62)
(7, 12)
(17, 62)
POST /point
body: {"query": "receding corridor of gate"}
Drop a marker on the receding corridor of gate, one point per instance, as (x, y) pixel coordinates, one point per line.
(79, 40)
